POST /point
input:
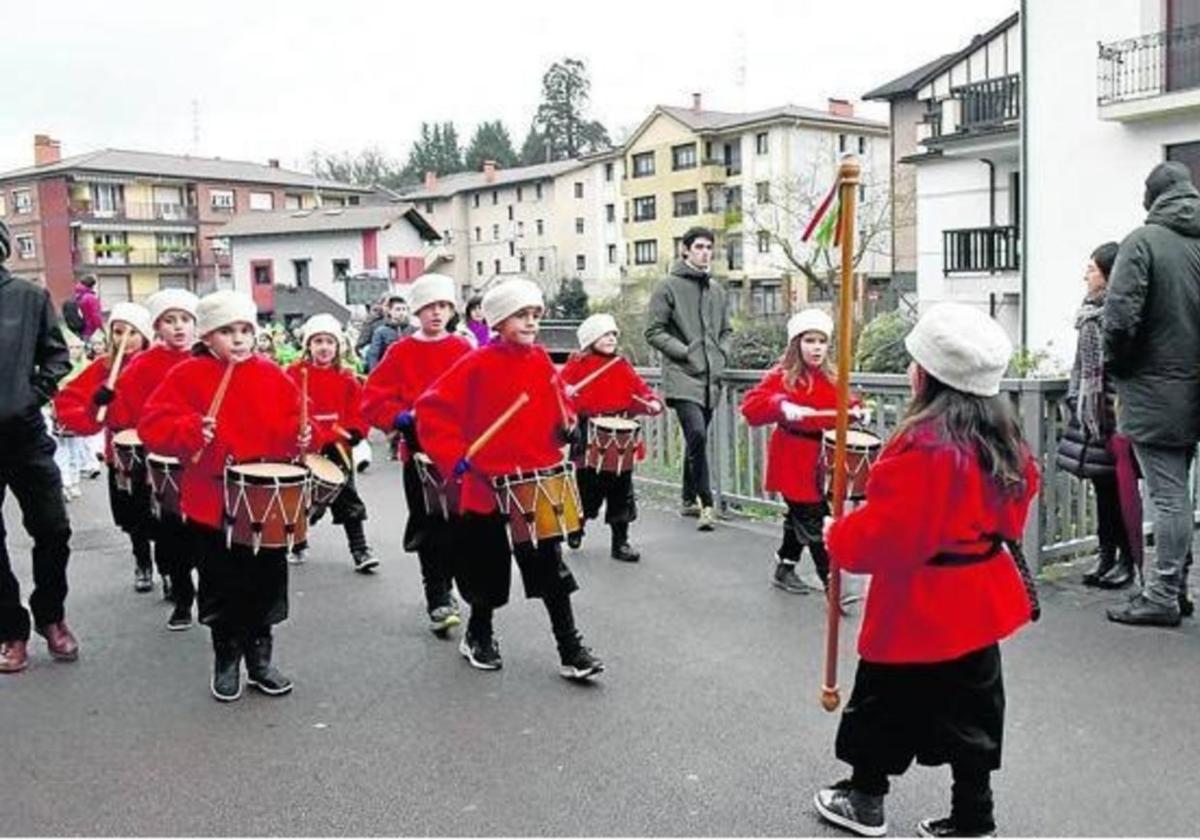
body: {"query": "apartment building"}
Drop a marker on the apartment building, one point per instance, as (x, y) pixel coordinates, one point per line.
(141, 221)
(753, 178)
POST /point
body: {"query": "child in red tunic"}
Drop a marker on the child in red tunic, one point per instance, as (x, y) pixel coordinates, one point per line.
(242, 594)
(392, 389)
(946, 502)
(173, 316)
(451, 416)
(335, 396)
(789, 395)
(77, 407)
(618, 391)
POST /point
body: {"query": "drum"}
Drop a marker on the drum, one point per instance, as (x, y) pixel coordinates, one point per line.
(164, 473)
(441, 497)
(862, 448)
(612, 443)
(327, 481)
(540, 505)
(130, 458)
(266, 505)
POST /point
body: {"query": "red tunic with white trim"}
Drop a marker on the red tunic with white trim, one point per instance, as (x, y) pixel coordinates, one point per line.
(334, 400)
(138, 381)
(927, 497)
(75, 411)
(456, 409)
(612, 392)
(258, 420)
(408, 368)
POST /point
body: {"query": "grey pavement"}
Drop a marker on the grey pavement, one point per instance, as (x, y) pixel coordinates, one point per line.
(706, 723)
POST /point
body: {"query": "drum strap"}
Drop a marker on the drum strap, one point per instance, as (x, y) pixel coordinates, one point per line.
(802, 433)
(992, 543)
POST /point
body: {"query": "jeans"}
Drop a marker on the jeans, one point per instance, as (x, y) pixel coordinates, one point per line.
(695, 418)
(1166, 474)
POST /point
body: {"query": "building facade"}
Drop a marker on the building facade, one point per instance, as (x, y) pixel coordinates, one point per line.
(1118, 91)
(140, 221)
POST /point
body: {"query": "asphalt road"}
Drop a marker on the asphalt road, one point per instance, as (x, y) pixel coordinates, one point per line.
(706, 723)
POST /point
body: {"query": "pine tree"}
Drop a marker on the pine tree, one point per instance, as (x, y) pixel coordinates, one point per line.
(560, 117)
(491, 141)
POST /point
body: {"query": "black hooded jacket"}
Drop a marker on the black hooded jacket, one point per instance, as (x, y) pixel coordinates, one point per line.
(1152, 316)
(33, 353)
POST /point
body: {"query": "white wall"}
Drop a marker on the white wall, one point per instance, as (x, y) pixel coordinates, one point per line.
(1085, 175)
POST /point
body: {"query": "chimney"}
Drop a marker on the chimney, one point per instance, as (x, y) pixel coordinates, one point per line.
(696, 103)
(46, 150)
(841, 107)
(430, 180)
(273, 163)
(489, 171)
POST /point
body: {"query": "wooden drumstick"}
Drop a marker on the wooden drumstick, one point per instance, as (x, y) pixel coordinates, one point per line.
(562, 405)
(113, 373)
(498, 424)
(215, 406)
(345, 458)
(648, 403)
(341, 432)
(594, 375)
(303, 399)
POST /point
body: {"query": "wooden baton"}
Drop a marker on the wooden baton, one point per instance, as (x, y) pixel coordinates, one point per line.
(594, 375)
(215, 405)
(113, 373)
(498, 424)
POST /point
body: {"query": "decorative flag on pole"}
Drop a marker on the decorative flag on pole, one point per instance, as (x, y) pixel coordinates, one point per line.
(822, 212)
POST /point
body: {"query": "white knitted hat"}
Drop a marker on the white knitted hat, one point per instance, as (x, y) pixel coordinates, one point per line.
(222, 308)
(431, 288)
(163, 302)
(810, 320)
(133, 314)
(595, 327)
(962, 347)
(320, 324)
(510, 297)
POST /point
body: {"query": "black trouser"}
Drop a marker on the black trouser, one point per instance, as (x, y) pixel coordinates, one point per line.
(131, 513)
(613, 490)
(803, 526)
(175, 549)
(240, 591)
(430, 536)
(694, 419)
(971, 803)
(1110, 525)
(350, 512)
(27, 466)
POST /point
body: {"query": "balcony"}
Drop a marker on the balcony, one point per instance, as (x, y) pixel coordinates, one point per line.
(979, 120)
(1150, 76)
(987, 250)
(990, 104)
(124, 255)
(83, 209)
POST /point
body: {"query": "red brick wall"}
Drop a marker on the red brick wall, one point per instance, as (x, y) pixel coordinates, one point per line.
(53, 197)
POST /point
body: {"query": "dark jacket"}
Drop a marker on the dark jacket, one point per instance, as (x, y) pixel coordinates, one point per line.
(688, 322)
(32, 347)
(368, 331)
(1152, 323)
(384, 336)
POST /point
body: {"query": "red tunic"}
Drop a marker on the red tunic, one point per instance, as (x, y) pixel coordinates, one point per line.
(461, 404)
(258, 420)
(609, 393)
(794, 453)
(408, 368)
(138, 381)
(926, 497)
(75, 410)
(334, 398)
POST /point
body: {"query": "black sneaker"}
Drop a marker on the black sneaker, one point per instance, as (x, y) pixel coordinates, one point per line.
(143, 580)
(181, 617)
(441, 619)
(580, 664)
(166, 588)
(484, 655)
(785, 578)
(690, 509)
(364, 561)
(945, 827)
(575, 540)
(626, 553)
(1187, 607)
(843, 806)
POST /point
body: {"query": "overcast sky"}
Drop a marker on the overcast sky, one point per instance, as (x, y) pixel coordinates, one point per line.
(275, 79)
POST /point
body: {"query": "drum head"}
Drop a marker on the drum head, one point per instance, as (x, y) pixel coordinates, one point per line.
(324, 469)
(127, 437)
(856, 439)
(422, 458)
(615, 424)
(163, 462)
(267, 472)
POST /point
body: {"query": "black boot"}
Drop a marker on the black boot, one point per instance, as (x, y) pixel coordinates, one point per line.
(1108, 559)
(261, 673)
(1120, 575)
(621, 549)
(227, 666)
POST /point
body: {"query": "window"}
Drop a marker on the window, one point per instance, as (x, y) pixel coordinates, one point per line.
(520, 195)
(541, 227)
(512, 248)
(610, 212)
(262, 272)
(841, 142)
(448, 236)
(677, 247)
(110, 248)
(107, 199)
(428, 206)
(580, 262)
(687, 203)
(612, 254)
(764, 242)
(300, 268)
(520, 228)
(608, 172)
(579, 189)
(495, 197)
(478, 234)
(766, 299)
(479, 267)
(733, 198)
(537, 191)
(113, 288)
(174, 281)
(643, 164)
(352, 201)
(733, 157)
(760, 143)
(522, 263)
(496, 266)
(175, 248)
(291, 201)
(708, 151)
(733, 251)
(26, 250)
(541, 265)
(645, 252)
(262, 201)
(496, 233)
(763, 192)
(341, 269)
(22, 201)
(862, 145)
(643, 208)
(510, 212)
(862, 193)
(579, 224)
(475, 203)
(683, 157)
(221, 199)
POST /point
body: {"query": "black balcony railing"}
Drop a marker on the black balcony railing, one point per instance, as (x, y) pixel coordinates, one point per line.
(989, 103)
(981, 250)
(1140, 68)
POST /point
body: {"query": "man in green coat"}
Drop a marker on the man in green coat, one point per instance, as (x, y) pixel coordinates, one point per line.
(688, 323)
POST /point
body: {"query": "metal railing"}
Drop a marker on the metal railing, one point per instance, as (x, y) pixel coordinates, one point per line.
(124, 255)
(134, 211)
(975, 250)
(1148, 66)
(993, 102)
(1062, 524)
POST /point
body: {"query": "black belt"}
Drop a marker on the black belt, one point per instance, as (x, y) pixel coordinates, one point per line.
(803, 433)
(995, 543)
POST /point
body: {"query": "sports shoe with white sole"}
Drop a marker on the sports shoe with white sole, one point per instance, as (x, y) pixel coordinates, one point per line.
(852, 810)
(482, 655)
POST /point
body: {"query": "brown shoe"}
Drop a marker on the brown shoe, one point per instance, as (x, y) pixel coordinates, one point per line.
(13, 656)
(62, 644)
